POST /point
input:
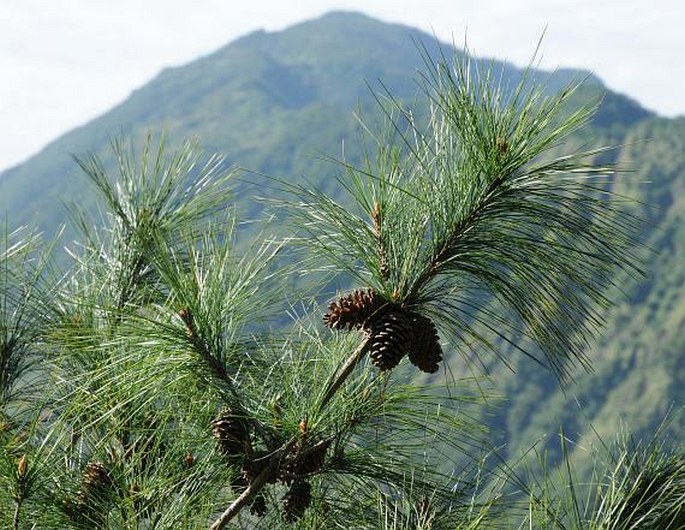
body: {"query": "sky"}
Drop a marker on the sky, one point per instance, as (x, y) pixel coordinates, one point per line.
(64, 62)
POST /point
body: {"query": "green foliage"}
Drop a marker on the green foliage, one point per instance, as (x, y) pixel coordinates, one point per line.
(23, 262)
(634, 485)
(186, 377)
(160, 326)
(239, 101)
(470, 207)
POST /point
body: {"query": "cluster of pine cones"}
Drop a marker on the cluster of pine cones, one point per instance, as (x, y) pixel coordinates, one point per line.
(393, 330)
(233, 441)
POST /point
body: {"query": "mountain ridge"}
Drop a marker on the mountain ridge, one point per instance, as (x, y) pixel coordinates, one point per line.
(335, 19)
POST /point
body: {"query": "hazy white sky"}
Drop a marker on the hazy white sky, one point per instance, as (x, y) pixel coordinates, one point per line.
(63, 62)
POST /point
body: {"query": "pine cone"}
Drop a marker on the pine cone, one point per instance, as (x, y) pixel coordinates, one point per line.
(297, 500)
(6, 425)
(136, 496)
(312, 461)
(352, 310)
(95, 477)
(425, 352)
(95, 486)
(187, 318)
(230, 432)
(391, 335)
(258, 506)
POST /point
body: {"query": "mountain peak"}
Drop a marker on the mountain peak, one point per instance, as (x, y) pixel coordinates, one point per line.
(266, 91)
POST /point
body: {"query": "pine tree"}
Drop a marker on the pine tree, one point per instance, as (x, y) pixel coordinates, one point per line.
(176, 397)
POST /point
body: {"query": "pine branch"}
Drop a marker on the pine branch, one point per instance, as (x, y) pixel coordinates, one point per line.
(260, 480)
(443, 251)
(477, 206)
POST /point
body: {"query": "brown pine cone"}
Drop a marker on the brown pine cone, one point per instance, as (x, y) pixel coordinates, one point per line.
(306, 462)
(258, 506)
(230, 433)
(390, 335)
(352, 310)
(297, 500)
(95, 477)
(425, 352)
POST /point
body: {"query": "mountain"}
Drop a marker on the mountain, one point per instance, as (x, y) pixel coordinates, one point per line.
(273, 102)
(270, 101)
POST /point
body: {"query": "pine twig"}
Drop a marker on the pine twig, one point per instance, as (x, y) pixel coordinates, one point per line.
(444, 251)
(345, 370)
(20, 495)
(15, 520)
(216, 367)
